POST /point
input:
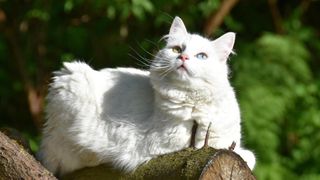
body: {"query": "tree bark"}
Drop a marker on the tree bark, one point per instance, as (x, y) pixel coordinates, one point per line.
(16, 163)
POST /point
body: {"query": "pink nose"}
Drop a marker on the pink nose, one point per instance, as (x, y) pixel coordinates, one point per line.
(184, 57)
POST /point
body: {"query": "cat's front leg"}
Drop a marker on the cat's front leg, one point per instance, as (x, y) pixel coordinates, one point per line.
(203, 120)
(201, 135)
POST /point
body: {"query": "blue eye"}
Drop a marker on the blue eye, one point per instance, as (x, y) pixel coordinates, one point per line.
(202, 56)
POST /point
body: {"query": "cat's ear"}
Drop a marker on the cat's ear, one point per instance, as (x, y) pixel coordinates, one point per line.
(224, 45)
(177, 27)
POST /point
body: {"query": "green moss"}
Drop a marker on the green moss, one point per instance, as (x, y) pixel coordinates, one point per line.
(197, 162)
(185, 164)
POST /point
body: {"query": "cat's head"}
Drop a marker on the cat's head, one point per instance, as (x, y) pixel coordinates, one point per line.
(190, 59)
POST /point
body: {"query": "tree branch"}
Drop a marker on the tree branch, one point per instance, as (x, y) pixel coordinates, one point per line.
(203, 164)
(33, 93)
(276, 16)
(215, 19)
(16, 163)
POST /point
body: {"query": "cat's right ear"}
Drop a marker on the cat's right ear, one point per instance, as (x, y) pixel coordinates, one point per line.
(177, 27)
(224, 45)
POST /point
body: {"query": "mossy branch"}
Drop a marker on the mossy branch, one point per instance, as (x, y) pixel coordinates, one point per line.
(205, 163)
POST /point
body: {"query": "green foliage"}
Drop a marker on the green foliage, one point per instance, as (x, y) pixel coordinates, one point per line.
(274, 83)
(276, 74)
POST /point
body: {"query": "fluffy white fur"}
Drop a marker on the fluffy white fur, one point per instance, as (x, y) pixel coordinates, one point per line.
(127, 116)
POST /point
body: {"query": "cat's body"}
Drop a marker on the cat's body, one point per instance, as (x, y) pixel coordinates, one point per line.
(127, 116)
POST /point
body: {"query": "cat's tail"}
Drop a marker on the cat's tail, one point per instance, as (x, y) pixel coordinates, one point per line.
(73, 82)
(247, 156)
(72, 67)
(71, 108)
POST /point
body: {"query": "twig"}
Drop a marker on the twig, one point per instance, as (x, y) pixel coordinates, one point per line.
(207, 136)
(232, 146)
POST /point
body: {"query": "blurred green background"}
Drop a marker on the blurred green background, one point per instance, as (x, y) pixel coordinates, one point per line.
(275, 72)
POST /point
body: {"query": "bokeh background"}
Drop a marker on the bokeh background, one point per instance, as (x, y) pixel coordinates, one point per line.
(275, 71)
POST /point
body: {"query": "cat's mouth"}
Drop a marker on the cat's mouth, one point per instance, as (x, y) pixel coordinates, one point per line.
(183, 69)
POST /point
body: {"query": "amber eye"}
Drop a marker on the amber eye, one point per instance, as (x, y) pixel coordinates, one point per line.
(176, 49)
(202, 56)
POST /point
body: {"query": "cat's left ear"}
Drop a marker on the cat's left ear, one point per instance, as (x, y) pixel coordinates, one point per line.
(177, 27)
(224, 45)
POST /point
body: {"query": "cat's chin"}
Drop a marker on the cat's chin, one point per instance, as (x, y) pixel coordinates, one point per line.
(183, 71)
(182, 74)
(180, 77)
(184, 78)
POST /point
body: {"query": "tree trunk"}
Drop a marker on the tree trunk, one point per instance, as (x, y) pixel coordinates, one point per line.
(16, 163)
(205, 163)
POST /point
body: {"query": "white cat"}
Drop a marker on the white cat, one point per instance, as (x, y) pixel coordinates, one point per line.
(127, 116)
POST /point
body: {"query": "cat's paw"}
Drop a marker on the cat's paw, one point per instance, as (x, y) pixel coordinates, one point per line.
(247, 156)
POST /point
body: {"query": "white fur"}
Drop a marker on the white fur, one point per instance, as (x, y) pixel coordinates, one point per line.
(127, 116)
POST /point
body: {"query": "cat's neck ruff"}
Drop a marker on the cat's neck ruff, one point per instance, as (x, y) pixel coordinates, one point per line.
(177, 94)
(192, 95)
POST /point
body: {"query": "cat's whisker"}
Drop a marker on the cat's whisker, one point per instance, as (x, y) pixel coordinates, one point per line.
(151, 54)
(166, 72)
(145, 62)
(165, 62)
(153, 43)
(140, 56)
(160, 67)
(161, 63)
(142, 62)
